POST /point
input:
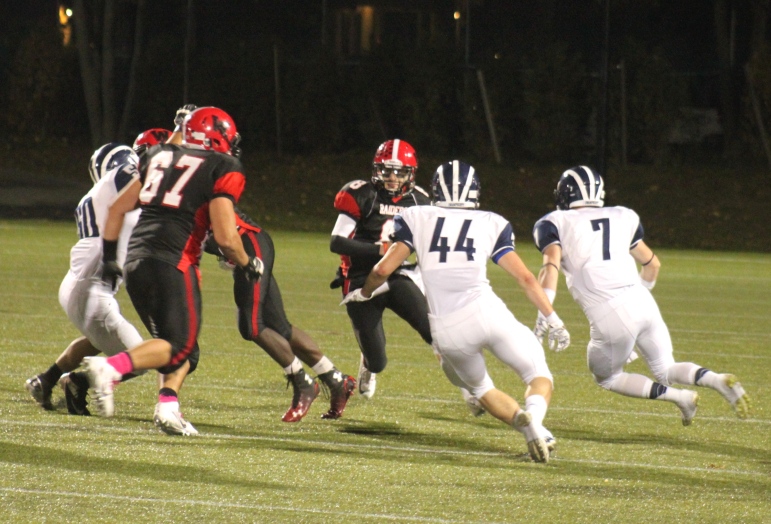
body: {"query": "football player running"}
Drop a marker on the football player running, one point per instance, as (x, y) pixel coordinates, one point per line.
(599, 249)
(361, 237)
(183, 192)
(89, 304)
(262, 319)
(453, 241)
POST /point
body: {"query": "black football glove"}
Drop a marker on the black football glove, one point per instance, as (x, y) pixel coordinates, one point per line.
(111, 272)
(182, 112)
(253, 269)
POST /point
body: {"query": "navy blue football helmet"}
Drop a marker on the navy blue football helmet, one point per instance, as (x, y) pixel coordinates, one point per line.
(107, 157)
(580, 186)
(456, 184)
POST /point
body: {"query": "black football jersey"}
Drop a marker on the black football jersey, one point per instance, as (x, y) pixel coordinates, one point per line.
(177, 185)
(374, 213)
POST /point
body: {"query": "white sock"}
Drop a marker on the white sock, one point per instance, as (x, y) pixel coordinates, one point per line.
(710, 379)
(294, 367)
(632, 385)
(682, 373)
(323, 366)
(536, 406)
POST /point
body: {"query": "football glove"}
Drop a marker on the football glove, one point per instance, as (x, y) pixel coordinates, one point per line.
(182, 112)
(541, 327)
(253, 269)
(354, 296)
(559, 338)
(111, 272)
(225, 264)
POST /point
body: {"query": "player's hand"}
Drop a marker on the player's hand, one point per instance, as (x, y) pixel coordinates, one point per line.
(253, 269)
(354, 296)
(559, 338)
(225, 264)
(182, 112)
(541, 327)
(111, 272)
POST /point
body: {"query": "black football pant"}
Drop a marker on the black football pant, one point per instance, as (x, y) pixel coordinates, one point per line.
(403, 298)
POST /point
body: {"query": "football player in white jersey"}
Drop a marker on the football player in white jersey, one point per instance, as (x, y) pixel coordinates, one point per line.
(598, 248)
(453, 242)
(90, 305)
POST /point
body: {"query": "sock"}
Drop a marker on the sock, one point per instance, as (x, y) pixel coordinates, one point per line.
(707, 378)
(682, 373)
(52, 375)
(659, 391)
(122, 363)
(536, 406)
(294, 367)
(632, 385)
(511, 423)
(167, 395)
(322, 366)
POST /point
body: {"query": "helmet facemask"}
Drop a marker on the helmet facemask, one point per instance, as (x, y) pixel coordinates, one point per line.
(395, 180)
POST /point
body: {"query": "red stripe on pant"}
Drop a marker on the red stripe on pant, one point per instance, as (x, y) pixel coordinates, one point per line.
(256, 288)
(192, 316)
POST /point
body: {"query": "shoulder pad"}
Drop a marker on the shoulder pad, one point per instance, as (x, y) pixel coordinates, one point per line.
(421, 190)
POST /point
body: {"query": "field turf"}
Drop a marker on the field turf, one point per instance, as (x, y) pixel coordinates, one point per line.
(413, 453)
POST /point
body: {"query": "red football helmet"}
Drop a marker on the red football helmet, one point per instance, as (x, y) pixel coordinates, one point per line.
(211, 128)
(150, 138)
(395, 157)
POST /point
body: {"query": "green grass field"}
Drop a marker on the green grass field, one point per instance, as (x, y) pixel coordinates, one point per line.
(411, 454)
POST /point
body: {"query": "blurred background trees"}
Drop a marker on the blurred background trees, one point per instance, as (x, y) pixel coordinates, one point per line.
(327, 76)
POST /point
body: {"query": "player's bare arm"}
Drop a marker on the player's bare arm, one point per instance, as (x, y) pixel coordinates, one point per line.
(223, 222)
(396, 254)
(648, 260)
(513, 265)
(548, 276)
(125, 202)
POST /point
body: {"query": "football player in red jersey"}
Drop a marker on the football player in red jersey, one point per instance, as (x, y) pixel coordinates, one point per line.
(183, 192)
(262, 319)
(361, 237)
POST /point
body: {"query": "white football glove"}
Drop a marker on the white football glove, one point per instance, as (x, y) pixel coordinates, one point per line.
(182, 112)
(541, 327)
(559, 338)
(354, 296)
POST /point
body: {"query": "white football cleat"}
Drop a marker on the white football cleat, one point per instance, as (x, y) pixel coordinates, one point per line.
(551, 442)
(734, 393)
(102, 377)
(536, 445)
(688, 402)
(367, 380)
(472, 403)
(169, 420)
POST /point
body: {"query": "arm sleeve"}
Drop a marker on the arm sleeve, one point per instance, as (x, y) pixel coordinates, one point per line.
(504, 244)
(351, 247)
(402, 233)
(545, 234)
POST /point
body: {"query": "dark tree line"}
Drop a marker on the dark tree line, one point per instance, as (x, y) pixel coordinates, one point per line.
(133, 62)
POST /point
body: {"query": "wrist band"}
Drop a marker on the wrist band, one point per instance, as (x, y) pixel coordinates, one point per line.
(651, 260)
(109, 250)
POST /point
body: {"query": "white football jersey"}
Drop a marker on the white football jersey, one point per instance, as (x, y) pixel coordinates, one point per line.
(91, 215)
(452, 248)
(595, 244)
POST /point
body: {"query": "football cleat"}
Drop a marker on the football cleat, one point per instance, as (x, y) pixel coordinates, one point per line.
(75, 387)
(341, 387)
(306, 389)
(367, 381)
(688, 402)
(40, 392)
(102, 377)
(551, 442)
(734, 393)
(536, 445)
(169, 420)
